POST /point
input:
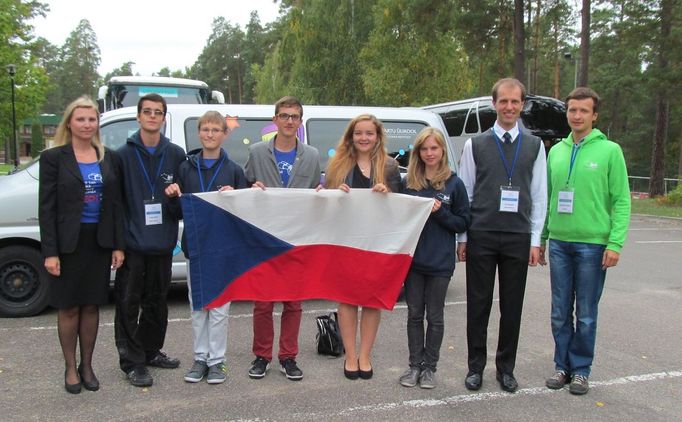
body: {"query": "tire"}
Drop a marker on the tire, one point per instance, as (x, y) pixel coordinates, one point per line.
(24, 289)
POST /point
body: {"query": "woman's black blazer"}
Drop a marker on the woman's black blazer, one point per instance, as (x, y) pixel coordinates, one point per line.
(61, 193)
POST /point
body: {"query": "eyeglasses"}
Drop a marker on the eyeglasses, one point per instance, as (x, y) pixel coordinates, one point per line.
(150, 112)
(211, 131)
(285, 116)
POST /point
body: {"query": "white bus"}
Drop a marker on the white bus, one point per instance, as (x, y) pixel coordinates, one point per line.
(125, 91)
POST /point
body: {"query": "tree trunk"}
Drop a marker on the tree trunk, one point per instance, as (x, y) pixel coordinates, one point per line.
(584, 44)
(536, 47)
(656, 181)
(519, 41)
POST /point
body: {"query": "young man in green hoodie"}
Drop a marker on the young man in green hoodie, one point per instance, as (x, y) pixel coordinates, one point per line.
(587, 222)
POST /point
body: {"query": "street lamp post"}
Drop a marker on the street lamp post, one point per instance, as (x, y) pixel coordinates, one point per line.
(12, 70)
(569, 56)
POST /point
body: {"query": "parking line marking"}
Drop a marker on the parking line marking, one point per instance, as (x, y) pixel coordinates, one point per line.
(489, 396)
(655, 229)
(658, 241)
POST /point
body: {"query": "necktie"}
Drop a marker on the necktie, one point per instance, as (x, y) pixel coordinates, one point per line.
(507, 138)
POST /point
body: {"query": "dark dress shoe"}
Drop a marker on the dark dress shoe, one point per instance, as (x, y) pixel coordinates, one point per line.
(473, 381)
(507, 382)
(162, 360)
(351, 375)
(71, 388)
(365, 375)
(92, 385)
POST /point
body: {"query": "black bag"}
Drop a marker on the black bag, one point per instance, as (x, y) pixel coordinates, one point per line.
(328, 336)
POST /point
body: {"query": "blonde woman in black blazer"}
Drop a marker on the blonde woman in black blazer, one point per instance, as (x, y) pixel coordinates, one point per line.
(81, 233)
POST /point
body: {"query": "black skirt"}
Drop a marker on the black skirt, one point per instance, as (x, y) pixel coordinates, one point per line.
(84, 278)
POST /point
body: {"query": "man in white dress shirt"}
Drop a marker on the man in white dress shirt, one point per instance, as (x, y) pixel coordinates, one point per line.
(505, 173)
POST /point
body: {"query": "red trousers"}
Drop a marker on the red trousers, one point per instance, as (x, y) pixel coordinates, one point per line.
(264, 333)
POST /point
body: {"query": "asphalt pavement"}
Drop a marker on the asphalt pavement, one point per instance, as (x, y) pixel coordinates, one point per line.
(637, 374)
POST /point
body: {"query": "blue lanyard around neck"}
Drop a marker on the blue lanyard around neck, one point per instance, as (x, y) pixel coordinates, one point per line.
(575, 149)
(151, 185)
(510, 171)
(215, 173)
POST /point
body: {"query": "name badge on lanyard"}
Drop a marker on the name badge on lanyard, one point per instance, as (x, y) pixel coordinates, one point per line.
(565, 198)
(509, 198)
(565, 201)
(152, 213)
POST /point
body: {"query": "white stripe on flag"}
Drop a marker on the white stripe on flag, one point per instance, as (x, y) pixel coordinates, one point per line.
(388, 223)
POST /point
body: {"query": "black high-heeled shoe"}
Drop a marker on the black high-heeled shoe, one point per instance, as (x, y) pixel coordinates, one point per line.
(92, 385)
(71, 388)
(351, 375)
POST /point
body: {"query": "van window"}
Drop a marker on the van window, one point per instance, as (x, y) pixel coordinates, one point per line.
(115, 134)
(324, 134)
(244, 132)
(472, 122)
(487, 115)
(546, 119)
(454, 118)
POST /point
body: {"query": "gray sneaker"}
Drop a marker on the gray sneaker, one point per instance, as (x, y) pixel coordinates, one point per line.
(427, 379)
(410, 377)
(557, 381)
(579, 385)
(216, 373)
(197, 372)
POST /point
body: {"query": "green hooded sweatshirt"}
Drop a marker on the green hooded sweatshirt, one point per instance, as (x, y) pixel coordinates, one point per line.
(601, 194)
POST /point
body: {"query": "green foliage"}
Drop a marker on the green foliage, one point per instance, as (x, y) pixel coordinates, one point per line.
(37, 139)
(126, 69)
(18, 48)
(80, 58)
(412, 56)
(673, 198)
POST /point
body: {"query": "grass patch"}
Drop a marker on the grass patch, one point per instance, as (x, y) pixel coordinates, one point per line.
(651, 207)
(5, 168)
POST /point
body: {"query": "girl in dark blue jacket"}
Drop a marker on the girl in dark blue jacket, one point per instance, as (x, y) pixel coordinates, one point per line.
(208, 170)
(428, 175)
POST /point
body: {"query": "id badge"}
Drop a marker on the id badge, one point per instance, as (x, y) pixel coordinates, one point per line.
(565, 204)
(152, 213)
(509, 198)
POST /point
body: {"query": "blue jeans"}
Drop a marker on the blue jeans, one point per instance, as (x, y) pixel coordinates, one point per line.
(577, 278)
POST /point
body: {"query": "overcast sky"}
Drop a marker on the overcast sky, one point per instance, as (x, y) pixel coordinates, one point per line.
(153, 34)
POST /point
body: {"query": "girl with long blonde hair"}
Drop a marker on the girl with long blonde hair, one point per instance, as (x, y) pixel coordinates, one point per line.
(428, 175)
(361, 161)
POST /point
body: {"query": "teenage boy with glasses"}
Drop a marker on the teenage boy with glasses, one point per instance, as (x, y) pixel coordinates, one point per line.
(284, 162)
(149, 163)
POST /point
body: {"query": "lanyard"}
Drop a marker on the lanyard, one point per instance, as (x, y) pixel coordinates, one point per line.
(510, 171)
(146, 175)
(215, 173)
(574, 154)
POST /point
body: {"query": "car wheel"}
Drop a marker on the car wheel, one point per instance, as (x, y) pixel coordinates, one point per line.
(23, 282)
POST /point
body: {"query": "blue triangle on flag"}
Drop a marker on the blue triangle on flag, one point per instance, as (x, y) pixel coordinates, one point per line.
(221, 247)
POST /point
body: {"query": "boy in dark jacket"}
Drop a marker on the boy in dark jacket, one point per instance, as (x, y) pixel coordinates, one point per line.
(149, 162)
(209, 169)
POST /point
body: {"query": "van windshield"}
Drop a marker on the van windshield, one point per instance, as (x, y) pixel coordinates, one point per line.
(324, 134)
(128, 95)
(243, 133)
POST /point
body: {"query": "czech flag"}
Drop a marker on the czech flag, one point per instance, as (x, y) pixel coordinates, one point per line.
(297, 244)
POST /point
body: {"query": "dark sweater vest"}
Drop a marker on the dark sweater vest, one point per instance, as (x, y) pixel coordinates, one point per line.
(491, 174)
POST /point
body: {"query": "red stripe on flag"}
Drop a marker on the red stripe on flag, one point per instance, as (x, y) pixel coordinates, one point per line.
(331, 272)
